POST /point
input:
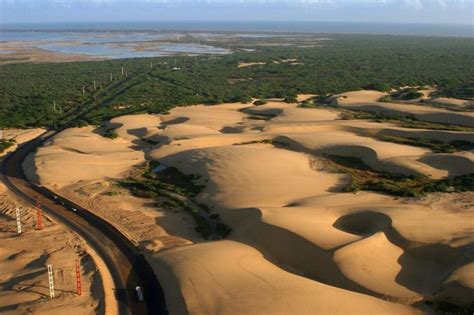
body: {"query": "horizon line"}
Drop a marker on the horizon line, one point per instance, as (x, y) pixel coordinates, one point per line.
(238, 21)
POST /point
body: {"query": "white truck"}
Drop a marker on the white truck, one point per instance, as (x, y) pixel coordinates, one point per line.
(139, 291)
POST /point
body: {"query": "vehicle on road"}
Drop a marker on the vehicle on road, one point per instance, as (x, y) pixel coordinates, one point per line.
(139, 291)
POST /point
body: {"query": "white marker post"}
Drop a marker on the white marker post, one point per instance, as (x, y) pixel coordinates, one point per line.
(51, 281)
(18, 220)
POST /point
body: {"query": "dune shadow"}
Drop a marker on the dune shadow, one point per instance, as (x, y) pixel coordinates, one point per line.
(10, 308)
(454, 165)
(10, 283)
(367, 223)
(138, 132)
(38, 262)
(175, 121)
(423, 266)
(294, 253)
(16, 255)
(232, 129)
(100, 130)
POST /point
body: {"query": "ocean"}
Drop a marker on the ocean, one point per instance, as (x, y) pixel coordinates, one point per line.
(274, 27)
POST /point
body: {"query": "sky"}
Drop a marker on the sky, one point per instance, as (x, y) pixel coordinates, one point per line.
(392, 11)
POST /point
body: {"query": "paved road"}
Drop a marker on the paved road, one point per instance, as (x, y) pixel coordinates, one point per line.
(126, 263)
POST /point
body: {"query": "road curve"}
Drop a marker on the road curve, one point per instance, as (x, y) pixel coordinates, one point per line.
(126, 263)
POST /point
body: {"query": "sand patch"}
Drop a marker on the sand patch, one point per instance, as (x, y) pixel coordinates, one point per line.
(23, 262)
(250, 64)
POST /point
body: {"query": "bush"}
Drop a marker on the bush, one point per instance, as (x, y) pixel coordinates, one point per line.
(244, 99)
(378, 86)
(260, 102)
(290, 99)
(406, 94)
(111, 133)
(347, 116)
(6, 143)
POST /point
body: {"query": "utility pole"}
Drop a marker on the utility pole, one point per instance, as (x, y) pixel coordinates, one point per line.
(78, 278)
(51, 281)
(54, 105)
(18, 220)
(111, 77)
(151, 64)
(83, 89)
(95, 87)
(39, 217)
(122, 72)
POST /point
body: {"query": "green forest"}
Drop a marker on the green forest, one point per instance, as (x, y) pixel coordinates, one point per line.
(80, 93)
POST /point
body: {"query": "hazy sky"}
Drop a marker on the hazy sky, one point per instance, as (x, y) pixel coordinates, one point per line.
(413, 11)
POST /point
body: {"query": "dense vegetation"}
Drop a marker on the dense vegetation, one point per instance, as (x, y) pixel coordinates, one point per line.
(403, 95)
(406, 121)
(463, 91)
(53, 95)
(111, 133)
(171, 189)
(5, 144)
(365, 178)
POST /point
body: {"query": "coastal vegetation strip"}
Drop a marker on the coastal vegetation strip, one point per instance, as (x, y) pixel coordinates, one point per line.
(44, 95)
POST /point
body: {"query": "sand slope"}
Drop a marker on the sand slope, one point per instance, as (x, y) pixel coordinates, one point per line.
(84, 154)
(231, 278)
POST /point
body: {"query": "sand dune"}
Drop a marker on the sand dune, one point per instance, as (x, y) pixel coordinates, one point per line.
(137, 126)
(450, 101)
(290, 112)
(368, 101)
(236, 279)
(20, 136)
(247, 175)
(84, 154)
(375, 256)
(298, 244)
